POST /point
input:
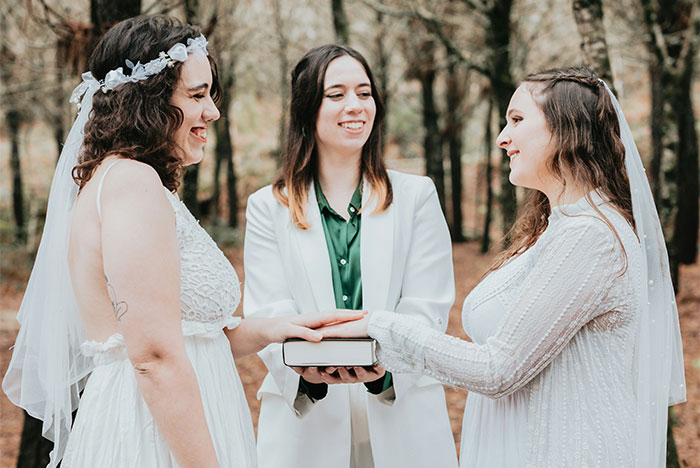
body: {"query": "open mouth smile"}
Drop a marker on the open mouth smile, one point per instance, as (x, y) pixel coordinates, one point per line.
(200, 133)
(354, 125)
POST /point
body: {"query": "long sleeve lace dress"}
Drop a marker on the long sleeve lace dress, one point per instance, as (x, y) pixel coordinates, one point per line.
(550, 369)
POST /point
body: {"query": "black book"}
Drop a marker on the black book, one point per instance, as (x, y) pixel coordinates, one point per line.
(335, 352)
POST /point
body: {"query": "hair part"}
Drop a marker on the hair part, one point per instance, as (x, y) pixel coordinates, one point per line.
(137, 120)
(588, 151)
(300, 155)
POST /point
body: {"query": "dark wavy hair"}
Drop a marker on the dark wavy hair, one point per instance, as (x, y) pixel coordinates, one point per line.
(137, 120)
(586, 136)
(299, 158)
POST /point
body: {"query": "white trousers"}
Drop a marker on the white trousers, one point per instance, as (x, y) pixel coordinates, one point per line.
(361, 447)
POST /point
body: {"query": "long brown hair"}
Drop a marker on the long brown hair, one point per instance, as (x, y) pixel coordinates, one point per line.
(586, 137)
(137, 120)
(300, 158)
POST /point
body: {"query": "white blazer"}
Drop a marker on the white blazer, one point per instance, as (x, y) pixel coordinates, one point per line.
(406, 262)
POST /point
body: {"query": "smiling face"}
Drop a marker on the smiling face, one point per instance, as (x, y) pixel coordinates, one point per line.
(192, 96)
(528, 142)
(346, 115)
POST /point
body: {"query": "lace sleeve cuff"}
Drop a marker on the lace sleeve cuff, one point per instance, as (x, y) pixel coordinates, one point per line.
(401, 341)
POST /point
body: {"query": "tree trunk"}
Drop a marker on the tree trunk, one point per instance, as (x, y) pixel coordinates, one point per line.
(453, 131)
(685, 232)
(589, 21)
(189, 189)
(191, 11)
(59, 137)
(13, 122)
(105, 13)
(340, 22)
(34, 449)
(486, 233)
(382, 70)
(503, 87)
(671, 450)
(224, 143)
(282, 46)
(656, 81)
(672, 31)
(232, 193)
(218, 163)
(433, 157)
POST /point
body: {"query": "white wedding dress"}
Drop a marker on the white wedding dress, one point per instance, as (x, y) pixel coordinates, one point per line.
(114, 427)
(550, 370)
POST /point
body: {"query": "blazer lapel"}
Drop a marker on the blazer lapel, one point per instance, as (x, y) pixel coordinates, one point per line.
(376, 251)
(314, 255)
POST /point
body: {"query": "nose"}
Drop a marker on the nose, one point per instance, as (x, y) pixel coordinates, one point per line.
(503, 138)
(211, 113)
(353, 104)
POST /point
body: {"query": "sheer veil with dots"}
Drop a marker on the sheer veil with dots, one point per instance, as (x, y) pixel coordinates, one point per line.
(659, 373)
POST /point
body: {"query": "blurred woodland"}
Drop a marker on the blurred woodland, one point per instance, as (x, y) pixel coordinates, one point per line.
(446, 69)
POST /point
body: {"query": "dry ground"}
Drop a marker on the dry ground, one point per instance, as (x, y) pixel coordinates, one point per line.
(469, 266)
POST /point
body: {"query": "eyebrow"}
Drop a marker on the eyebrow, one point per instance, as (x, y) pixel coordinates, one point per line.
(200, 87)
(339, 85)
(513, 110)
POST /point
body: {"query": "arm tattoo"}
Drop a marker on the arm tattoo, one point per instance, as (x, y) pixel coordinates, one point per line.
(119, 307)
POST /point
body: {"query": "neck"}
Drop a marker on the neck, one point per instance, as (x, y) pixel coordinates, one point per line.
(565, 195)
(341, 172)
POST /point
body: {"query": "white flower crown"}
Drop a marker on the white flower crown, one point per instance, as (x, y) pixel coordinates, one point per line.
(139, 72)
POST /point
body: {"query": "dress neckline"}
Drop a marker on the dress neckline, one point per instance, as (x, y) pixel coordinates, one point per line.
(582, 205)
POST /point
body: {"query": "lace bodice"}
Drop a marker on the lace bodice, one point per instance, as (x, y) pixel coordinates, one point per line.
(558, 322)
(209, 287)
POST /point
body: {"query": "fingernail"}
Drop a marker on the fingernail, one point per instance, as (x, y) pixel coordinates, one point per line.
(317, 335)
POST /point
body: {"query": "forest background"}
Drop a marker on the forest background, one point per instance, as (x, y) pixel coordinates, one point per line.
(446, 70)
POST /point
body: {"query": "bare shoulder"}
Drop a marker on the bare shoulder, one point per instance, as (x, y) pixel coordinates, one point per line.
(136, 187)
(129, 178)
(133, 174)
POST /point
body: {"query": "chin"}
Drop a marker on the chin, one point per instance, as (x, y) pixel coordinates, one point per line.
(513, 179)
(191, 159)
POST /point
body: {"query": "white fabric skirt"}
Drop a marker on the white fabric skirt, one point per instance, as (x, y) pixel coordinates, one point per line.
(114, 427)
(494, 432)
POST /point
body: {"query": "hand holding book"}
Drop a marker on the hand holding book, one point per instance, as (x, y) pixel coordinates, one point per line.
(345, 355)
(340, 375)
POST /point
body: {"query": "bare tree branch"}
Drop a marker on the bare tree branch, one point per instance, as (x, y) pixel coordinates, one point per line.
(434, 25)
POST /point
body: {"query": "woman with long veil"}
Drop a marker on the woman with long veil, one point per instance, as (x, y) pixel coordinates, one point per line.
(576, 350)
(128, 292)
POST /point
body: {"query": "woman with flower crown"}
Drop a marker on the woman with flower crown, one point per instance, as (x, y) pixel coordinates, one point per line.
(576, 350)
(129, 298)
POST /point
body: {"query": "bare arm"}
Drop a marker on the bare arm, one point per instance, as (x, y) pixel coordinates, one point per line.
(254, 333)
(141, 264)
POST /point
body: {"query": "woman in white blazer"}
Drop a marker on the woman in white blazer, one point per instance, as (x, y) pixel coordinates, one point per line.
(395, 241)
